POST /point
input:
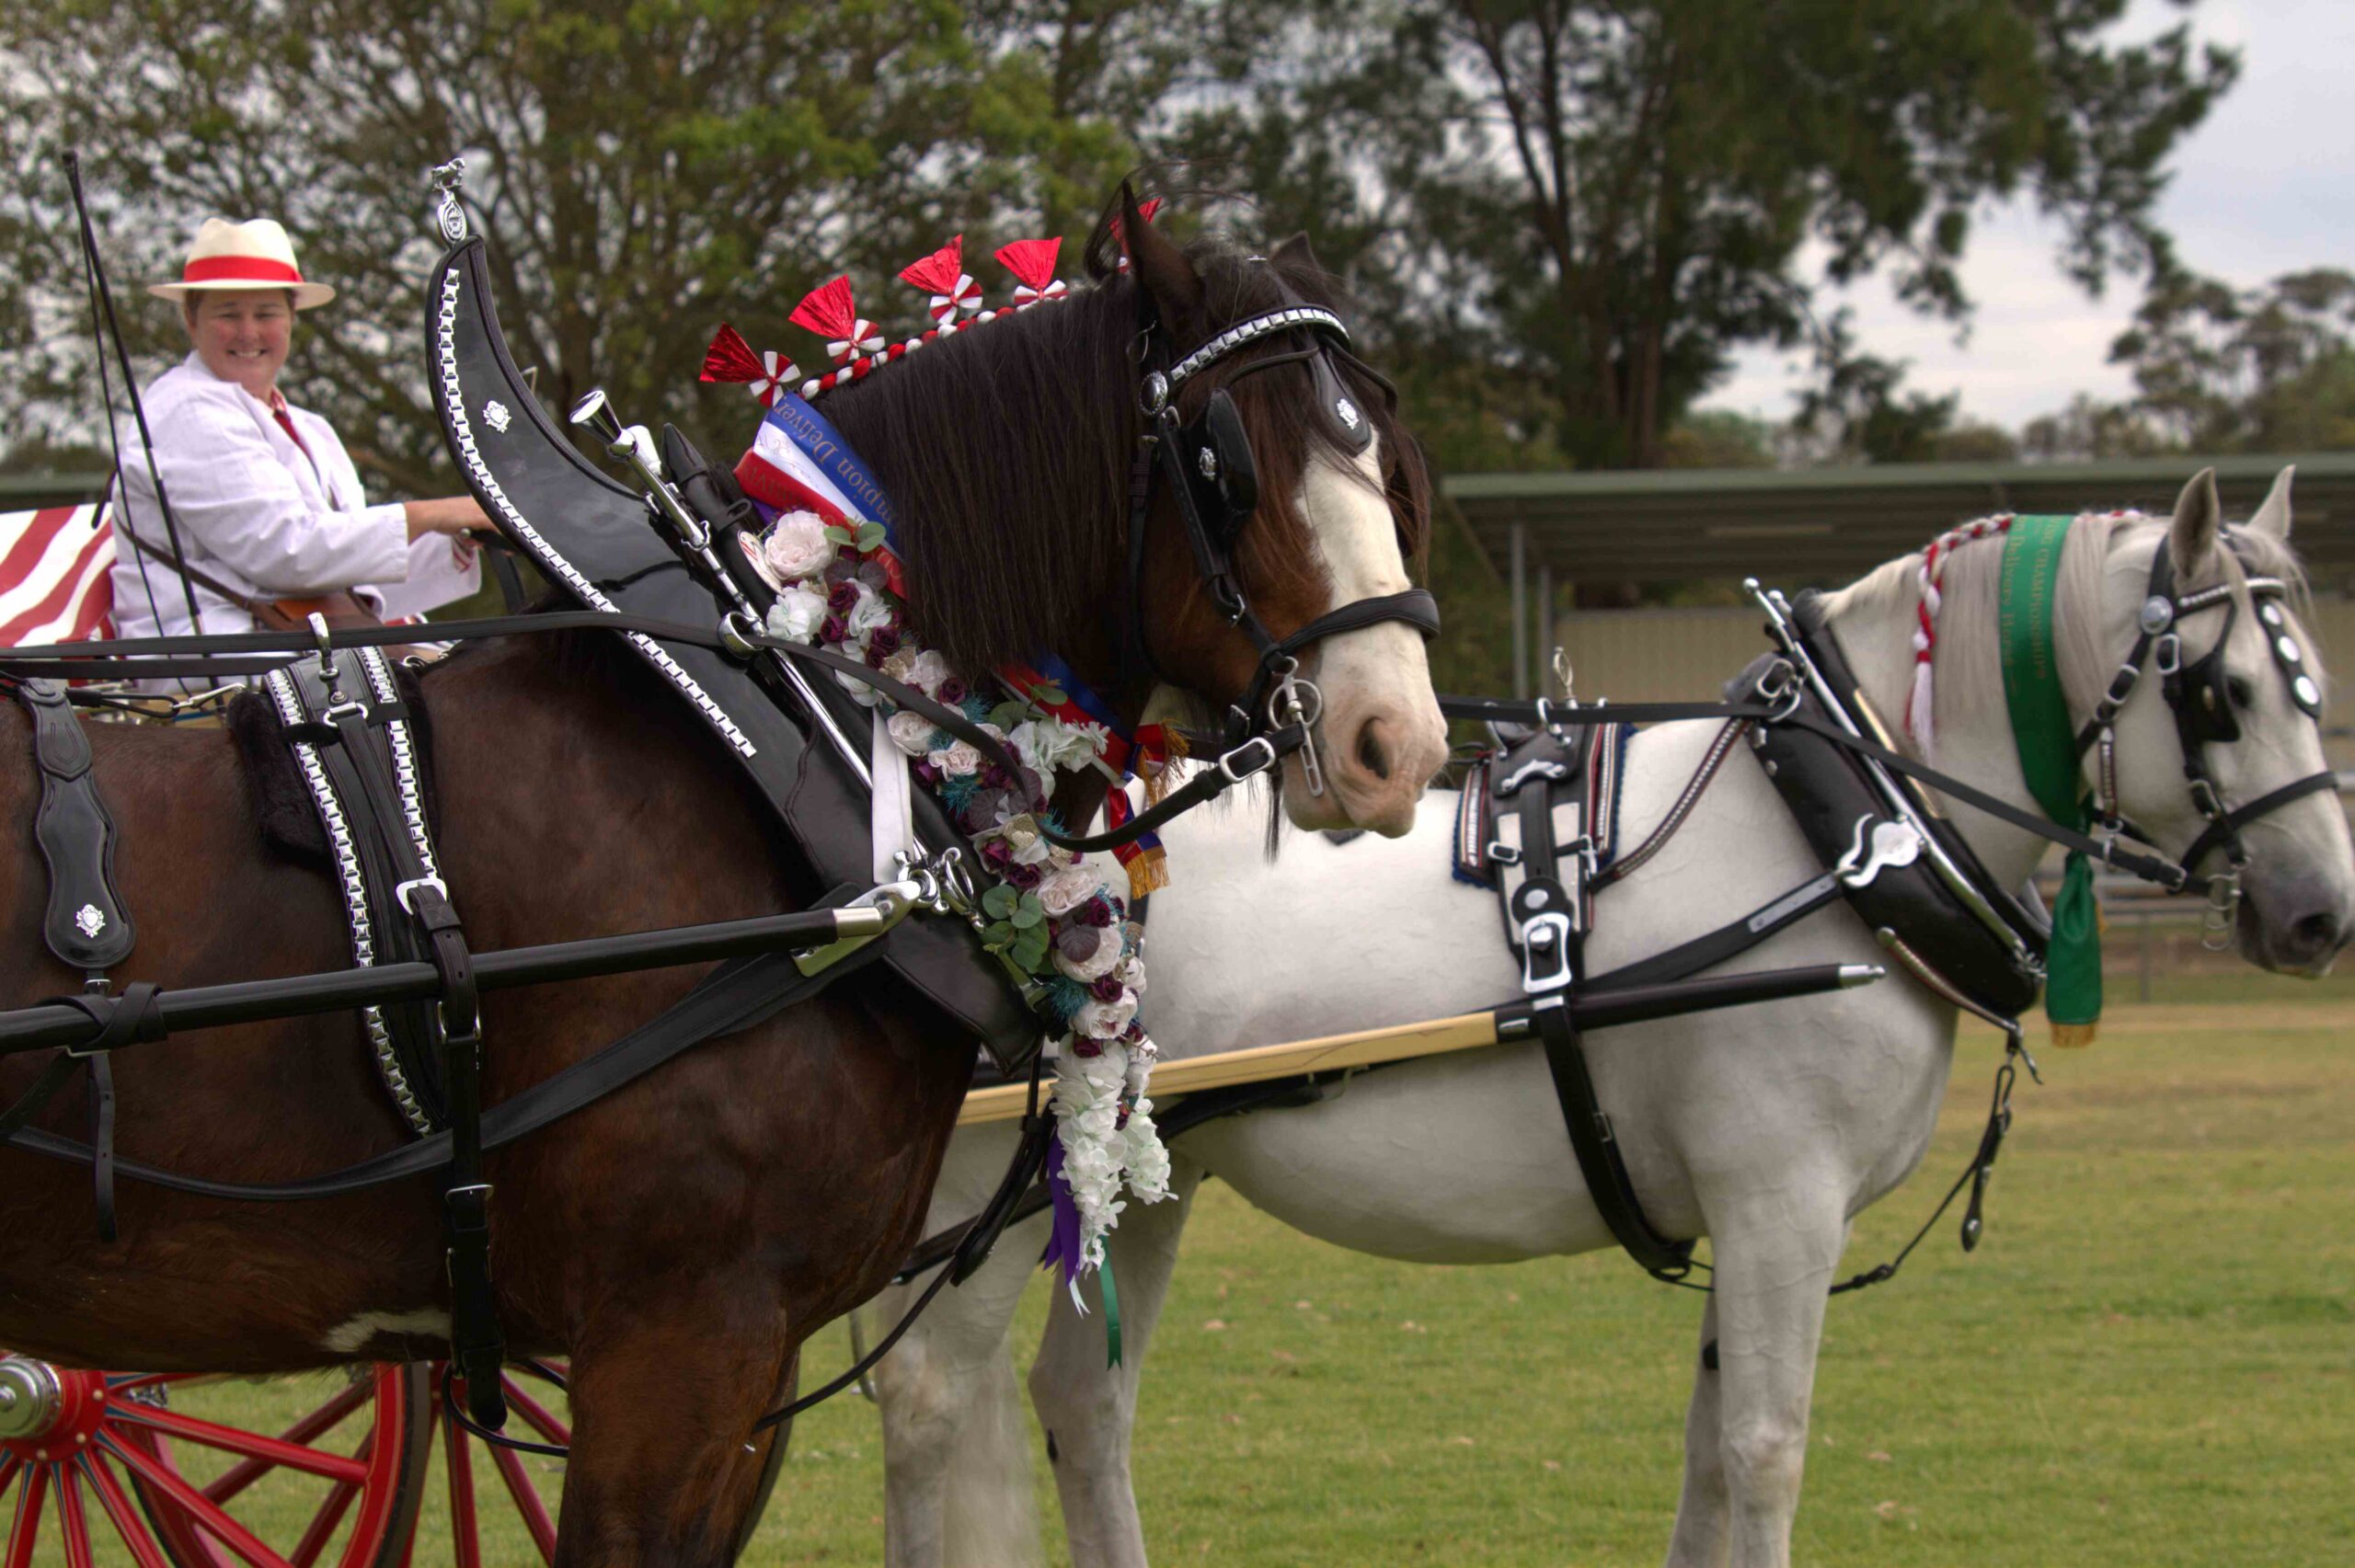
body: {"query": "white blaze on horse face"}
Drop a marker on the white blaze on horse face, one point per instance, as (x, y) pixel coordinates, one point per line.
(1381, 736)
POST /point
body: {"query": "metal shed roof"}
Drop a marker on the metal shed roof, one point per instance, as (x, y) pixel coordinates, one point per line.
(1832, 523)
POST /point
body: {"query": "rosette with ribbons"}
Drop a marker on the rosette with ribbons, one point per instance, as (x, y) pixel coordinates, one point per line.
(730, 359)
(1032, 262)
(942, 275)
(829, 311)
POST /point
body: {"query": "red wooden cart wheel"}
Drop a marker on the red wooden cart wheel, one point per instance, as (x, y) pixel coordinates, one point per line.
(114, 1454)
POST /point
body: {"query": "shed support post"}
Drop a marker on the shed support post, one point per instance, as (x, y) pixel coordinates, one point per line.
(1520, 610)
(1541, 678)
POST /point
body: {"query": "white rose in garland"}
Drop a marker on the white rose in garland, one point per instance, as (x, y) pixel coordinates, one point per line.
(912, 732)
(797, 614)
(797, 546)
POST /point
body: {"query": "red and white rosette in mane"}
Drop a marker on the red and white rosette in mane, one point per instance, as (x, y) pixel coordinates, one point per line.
(942, 275)
(1032, 262)
(730, 359)
(1121, 240)
(828, 311)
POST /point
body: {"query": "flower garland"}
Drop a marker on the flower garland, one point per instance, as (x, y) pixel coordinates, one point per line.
(1052, 914)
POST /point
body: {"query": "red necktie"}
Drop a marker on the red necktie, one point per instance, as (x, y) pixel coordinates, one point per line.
(278, 411)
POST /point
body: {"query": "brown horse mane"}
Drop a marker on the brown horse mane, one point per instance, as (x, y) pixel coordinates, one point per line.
(1005, 451)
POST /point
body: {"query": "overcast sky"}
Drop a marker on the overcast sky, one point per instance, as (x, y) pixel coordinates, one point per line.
(2266, 185)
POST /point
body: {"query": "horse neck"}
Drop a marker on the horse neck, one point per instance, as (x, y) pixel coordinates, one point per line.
(1972, 729)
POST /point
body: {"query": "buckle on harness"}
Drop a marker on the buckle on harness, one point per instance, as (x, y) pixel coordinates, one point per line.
(1260, 748)
(404, 892)
(1546, 953)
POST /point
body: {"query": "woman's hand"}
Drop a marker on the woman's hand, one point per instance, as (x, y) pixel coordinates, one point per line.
(449, 514)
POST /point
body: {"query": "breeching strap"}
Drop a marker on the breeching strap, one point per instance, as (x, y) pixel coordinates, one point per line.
(2049, 760)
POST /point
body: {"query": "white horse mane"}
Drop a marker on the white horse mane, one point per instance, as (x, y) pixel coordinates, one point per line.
(1969, 659)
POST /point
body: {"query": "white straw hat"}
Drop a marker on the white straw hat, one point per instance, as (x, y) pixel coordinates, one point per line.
(256, 255)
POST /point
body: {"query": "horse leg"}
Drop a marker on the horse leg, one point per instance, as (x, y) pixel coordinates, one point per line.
(666, 1465)
(1700, 1540)
(1775, 1254)
(957, 1481)
(1088, 1408)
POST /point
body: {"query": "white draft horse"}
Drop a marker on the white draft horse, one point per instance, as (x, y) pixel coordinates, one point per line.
(1767, 1129)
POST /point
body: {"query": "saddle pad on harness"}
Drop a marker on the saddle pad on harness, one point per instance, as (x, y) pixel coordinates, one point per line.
(596, 539)
(1547, 806)
(400, 1036)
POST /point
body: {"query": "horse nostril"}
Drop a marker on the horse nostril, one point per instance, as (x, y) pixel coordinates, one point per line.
(2319, 933)
(1373, 756)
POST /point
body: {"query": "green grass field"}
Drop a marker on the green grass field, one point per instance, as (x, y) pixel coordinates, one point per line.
(2151, 1361)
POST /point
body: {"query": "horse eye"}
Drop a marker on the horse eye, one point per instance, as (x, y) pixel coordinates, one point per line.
(2243, 694)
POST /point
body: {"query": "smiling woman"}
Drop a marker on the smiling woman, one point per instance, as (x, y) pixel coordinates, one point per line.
(259, 503)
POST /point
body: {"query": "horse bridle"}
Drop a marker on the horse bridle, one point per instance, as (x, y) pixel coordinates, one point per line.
(1215, 479)
(2199, 698)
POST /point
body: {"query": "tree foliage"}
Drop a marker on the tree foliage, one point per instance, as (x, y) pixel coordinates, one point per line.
(1602, 199)
(642, 170)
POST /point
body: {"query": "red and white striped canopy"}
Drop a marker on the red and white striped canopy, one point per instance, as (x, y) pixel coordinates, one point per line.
(54, 582)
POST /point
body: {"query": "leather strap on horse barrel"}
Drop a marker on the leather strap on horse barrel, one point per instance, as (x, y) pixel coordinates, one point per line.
(1597, 1147)
(84, 925)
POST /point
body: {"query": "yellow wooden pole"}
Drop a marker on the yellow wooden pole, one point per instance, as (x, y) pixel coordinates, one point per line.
(1435, 1037)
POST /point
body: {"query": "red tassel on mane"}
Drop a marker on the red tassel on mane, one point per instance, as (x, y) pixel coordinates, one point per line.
(827, 310)
(1031, 261)
(936, 273)
(730, 358)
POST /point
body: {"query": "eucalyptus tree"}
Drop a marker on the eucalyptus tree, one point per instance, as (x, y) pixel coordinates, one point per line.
(1594, 203)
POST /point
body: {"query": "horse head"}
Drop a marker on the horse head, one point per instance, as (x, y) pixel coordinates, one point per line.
(2192, 691)
(1342, 503)
(1011, 455)
(2241, 708)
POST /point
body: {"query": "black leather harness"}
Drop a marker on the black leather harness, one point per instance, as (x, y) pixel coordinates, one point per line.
(354, 739)
(84, 925)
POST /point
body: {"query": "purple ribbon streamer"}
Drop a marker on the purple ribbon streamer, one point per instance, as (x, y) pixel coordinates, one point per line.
(1062, 1242)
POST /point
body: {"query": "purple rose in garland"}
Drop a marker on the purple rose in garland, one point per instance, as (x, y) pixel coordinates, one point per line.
(833, 629)
(842, 598)
(881, 643)
(952, 691)
(1095, 912)
(1020, 876)
(1108, 988)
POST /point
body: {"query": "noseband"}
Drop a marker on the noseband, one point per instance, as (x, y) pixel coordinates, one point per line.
(1209, 466)
(2201, 700)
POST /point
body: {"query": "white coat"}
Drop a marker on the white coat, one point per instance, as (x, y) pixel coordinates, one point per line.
(259, 515)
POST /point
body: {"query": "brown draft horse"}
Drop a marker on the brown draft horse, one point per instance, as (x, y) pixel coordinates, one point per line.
(680, 1238)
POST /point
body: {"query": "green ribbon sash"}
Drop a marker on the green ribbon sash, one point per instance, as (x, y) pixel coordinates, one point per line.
(2048, 750)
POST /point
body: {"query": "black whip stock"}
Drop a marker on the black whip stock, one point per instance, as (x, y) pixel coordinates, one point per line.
(104, 326)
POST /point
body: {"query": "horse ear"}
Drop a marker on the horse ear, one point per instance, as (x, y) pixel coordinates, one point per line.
(1159, 266)
(1296, 253)
(2199, 517)
(2273, 517)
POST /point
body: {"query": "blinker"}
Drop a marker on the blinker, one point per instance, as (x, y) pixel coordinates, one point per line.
(1224, 479)
(1337, 409)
